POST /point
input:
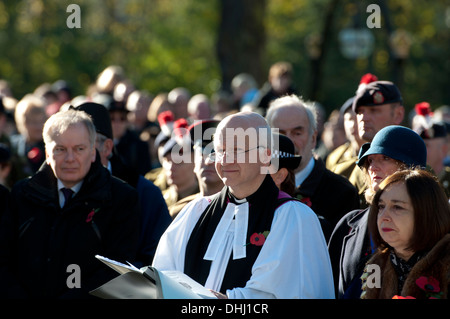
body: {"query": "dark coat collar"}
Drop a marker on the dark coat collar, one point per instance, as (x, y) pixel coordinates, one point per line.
(312, 182)
(42, 186)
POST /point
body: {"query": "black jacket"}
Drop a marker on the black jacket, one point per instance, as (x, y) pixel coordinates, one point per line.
(39, 240)
(349, 249)
(328, 194)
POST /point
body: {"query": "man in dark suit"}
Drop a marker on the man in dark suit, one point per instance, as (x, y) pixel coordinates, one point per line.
(65, 214)
(328, 194)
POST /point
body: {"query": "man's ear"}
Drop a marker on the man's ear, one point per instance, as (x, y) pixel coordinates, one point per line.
(314, 139)
(399, 114)
(46, 156)
(265, 155)
(93, 155)
(108, 147)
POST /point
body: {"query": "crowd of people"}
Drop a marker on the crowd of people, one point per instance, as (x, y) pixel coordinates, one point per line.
(302, 208)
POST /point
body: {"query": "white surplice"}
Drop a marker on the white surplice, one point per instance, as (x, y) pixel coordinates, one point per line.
(293, 262)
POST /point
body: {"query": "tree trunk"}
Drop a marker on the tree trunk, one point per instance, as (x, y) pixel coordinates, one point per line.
(317, 63)
(241, 39)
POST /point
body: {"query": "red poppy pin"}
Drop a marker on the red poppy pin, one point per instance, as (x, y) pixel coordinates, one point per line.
(91, 215)
(258, 239)
(34, 155)
(305, 200)
(401, 297)
(430, 285)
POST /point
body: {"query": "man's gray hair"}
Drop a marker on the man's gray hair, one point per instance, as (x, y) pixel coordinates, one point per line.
(59, 122)
(294, 100)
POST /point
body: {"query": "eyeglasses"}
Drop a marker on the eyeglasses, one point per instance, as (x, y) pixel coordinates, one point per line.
(238, 156)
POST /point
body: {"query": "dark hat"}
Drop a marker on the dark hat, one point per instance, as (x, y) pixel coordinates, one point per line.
(397, 142)
(100, 117)
(424, 125)
(437, 129)
(285, 152)
(118, 106)
(202, 132)
(179, 136)
(377, 93)
(346, 106)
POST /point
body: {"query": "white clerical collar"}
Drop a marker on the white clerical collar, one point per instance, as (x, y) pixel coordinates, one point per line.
(237, 200)
(304, 173)
(235, 219)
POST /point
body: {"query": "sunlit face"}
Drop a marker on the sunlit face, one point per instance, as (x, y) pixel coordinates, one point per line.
(119, 123)
(372, 119)
(293, 122)
(240, 165)
(396, 218)
(34, 123)
(178, 172)
(205, 169)
(436, 152)
(351, 126)
(70, 155)
(280, 84)
(379, 167)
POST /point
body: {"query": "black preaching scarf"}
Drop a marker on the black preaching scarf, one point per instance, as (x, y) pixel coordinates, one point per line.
(262, 206)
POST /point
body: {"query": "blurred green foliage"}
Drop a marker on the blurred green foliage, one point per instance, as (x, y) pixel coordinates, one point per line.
(162, 44)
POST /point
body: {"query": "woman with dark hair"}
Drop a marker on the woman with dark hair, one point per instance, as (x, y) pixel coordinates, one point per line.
(393, 148)
(409, 222)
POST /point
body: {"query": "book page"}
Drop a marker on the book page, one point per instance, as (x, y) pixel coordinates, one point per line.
(177, 285)
(121, 268)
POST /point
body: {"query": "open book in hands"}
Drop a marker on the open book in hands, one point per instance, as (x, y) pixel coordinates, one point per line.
(149, 283)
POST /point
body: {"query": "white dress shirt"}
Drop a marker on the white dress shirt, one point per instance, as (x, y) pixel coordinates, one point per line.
(75, 190)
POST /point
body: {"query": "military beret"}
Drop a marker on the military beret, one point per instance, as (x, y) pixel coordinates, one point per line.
(377, 93)
(437, 129)
(179, 136)
(202, 132)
